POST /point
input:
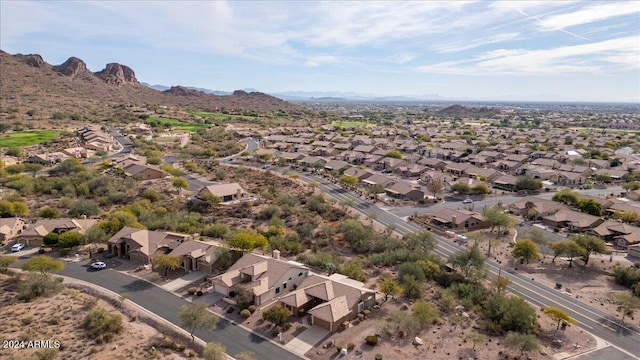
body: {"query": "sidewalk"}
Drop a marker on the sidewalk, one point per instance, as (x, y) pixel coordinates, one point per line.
(183, 281)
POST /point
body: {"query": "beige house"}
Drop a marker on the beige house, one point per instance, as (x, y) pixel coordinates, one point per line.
(34, 234)
(10, 227)
(460, 220)
(329, 301)
(142, 245)
(226, 192)
(266, 277)
(196, 255)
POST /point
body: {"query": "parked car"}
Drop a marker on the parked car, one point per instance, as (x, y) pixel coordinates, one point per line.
(462, 239)
(17, 247)
(98, 265)
(467, 201)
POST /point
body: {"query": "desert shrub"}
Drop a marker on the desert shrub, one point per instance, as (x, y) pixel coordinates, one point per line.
(245, 313)
(192, 290)
(371, 340)
(252, 308)
(286, 326)
(38, 284)
(102, 326)
(351, 346)
(47, 354)
(216, 230)
(411, 269)
(378, 356)
(199, 293)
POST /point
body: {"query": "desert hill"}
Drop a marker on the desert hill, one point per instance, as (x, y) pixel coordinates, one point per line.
(28, 83)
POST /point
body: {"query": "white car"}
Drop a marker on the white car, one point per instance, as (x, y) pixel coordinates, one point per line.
(98, 265)
(467, 201)
(17, 247)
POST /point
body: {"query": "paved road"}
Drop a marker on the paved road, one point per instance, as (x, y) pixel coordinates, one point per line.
(167, 305)
(594, 321)
(452, 203)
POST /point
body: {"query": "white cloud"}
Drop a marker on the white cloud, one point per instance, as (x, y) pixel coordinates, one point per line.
(589, 14)
(619, 54)
(466, 45)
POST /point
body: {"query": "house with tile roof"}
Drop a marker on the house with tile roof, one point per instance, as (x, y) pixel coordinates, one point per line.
(329, 300)
(143, 245)
(35, 233)
(10, 227)
(264, 276)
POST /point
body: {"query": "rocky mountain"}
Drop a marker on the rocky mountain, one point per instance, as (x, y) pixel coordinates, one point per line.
(27, 82)
(117, 74)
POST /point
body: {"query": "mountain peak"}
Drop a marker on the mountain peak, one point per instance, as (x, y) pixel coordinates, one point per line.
(117, 74)
(73, 67)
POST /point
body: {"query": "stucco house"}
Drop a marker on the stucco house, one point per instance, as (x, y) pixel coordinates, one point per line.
(226, 192)
(142, 245)
(10, 227)
(35, 233)
(329, 301)
(266, 277)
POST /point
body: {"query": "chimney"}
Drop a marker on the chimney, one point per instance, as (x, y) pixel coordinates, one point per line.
(238, 193)
(454, 219)
(276, 254)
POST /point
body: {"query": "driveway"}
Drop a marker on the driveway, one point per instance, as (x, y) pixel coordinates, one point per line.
(304, 342)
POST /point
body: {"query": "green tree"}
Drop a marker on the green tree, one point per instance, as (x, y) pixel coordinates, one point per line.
(6, 261)
(32, 168)
(276, 315)
(522, 342)
(425, 313)
(590, 206)
(558, 315)
(164, 263)
(526, 250)
(420, 241)
(412, 287)
(510, 312)
(495, 217)
(591, 244)
(214, 351)
(180, 183)
(196, 316)
(51, 239)
(566, 196)
(470, 262)
(430, 269)
(435, 187)
(627, 303)
(528, 183)
(500, 283)
(43, 264)
(569, 248)
(389, 286)
(49, 213)
(247, 240)
(349, 180)
(70, 239)
(460, 188)
(84, 208)
(396, 154)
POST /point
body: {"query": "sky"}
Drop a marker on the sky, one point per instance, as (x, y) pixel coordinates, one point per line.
(480, 50)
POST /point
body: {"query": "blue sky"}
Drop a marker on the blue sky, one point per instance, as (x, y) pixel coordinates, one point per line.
(562, 50)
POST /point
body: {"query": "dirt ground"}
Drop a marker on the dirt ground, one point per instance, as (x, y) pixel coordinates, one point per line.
(58, 318)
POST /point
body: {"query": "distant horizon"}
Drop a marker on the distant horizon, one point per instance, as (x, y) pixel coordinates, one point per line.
(585, 51)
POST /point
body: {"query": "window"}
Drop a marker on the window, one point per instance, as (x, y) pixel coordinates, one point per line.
(284, 285)
(277, 290)
(360, 306)
(299, 274)
(289, 279)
